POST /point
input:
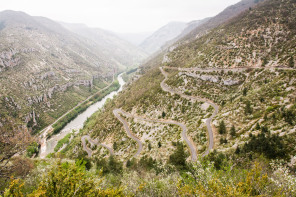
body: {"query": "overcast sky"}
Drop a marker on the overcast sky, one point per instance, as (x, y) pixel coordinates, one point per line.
(121, 16)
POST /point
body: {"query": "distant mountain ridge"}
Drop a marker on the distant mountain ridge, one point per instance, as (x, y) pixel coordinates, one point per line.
(134, 38)
(166, 33)
(46, 69)
(222, 17)
(178, 32)
(121, 51)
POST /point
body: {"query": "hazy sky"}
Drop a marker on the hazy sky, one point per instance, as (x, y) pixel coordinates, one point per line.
(120, 15)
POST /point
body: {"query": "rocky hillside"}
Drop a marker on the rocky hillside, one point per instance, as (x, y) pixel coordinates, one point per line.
(224, 16)
(111, 45)
(264, 36)
(195, 29)
(45, 69)
(216, 92)
(215, 116)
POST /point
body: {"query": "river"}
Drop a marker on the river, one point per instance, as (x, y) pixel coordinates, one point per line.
(78, 122)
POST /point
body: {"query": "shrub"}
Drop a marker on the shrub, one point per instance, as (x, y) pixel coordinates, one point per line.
(272, 146)
(32, 149)
(178, 158)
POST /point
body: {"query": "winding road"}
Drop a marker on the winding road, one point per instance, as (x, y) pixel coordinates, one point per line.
(183, 134)
(93, 142)
(165, 88)
(116, 113)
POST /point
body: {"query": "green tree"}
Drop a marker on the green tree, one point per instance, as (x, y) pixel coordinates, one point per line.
(163, 114)
(114, 166)
(291, 62)
(223, 140)
(149, 146)
(264, 129)
(222, 128)
(32, 149)
(159, 144)
(114, 146)
(265, 61)
(245, 91)
(289, 116)
(248, 108)
(178, 158)
(258, 126)
(232, 131)
(128, 163)
(272, 146)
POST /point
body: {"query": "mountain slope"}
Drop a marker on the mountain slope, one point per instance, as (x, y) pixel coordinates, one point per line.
(45, 69)
(154, 42)
(224, 16)
(112, 46)
(195, 29)
(249, 40)
(247, 94)
(148, 139)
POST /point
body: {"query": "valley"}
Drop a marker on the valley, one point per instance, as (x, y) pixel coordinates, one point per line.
(200, 108)
(49, 145)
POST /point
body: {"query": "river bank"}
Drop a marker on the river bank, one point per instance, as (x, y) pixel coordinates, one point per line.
(48, 145)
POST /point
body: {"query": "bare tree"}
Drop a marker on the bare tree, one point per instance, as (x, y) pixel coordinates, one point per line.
(14, 140)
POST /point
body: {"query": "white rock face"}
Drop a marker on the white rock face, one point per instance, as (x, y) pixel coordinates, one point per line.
(205, 106)
(230, 82)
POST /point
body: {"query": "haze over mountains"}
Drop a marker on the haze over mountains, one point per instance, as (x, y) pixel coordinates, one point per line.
(120, 50)
(41, 60)
(174, 31)
(208, 107)
(154, 42)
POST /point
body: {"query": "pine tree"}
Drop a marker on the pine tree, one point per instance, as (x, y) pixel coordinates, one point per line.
(232, 131)
(291, 62)
(257, 126)
(248, 108)
(245, 91)
(159, 144)
(128, 163)
(222, 128)
(237, 150)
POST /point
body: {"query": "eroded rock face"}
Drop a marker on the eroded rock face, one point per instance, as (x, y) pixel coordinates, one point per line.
(47, 74)
(9, 59)
(31, 116)
(230, 82)
(87, 83)
(212, 78)
(47, 95)
(11, 103)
